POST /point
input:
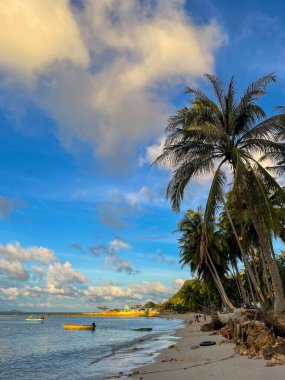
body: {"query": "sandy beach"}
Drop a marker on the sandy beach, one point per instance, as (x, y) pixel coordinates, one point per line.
(180, 361)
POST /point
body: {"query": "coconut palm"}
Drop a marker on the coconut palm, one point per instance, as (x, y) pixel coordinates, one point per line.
(206, 136)
(202, 253)
(247, 238)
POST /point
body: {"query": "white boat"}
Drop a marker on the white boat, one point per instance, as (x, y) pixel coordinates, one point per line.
(32, 318)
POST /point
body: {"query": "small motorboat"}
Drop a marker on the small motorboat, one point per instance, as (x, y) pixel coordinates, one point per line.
(32, 318)
(77, 326)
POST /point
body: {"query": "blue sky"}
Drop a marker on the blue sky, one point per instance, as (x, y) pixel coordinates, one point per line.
(86, 89)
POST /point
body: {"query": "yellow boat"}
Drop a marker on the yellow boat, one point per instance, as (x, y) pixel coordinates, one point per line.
(77, 326)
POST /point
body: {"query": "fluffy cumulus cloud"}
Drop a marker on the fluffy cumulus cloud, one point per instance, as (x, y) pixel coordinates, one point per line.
(109, 292)
(38, 273)
(141, 291)
(152, 152)
(9, 293)
(35, 34)
(26, 279)
(177, 283)
(148, 287)
(61, 279)
(14, 251)
(104, 70)
(12, 256)
(13, 269)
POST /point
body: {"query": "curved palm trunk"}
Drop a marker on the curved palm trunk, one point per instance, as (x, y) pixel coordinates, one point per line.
(241, 286)
(251, 291)
(218, 282)
(244, 257)
(255, 269)
(265, 275)
(279, 300)
(234, 276)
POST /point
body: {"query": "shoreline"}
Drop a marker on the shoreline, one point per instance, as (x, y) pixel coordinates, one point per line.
(217, 362)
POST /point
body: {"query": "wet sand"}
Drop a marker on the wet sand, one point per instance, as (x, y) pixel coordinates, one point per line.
(218, 362)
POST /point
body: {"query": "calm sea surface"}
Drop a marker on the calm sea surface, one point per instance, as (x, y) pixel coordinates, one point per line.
(33, 351)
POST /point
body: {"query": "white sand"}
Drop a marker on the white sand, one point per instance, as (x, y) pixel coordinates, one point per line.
(216, 362)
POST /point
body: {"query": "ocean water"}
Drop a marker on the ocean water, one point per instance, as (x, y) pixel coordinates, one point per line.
(46, 351)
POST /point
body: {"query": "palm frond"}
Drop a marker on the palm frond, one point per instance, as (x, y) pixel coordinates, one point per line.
(181, 177)
(218, 87)
(258, 88)
(273, 125)
(215, 195)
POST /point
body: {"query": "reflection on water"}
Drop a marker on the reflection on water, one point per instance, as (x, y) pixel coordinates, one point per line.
(46, 351)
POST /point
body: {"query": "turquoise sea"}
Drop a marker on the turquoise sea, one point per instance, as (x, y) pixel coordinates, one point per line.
(46, 351)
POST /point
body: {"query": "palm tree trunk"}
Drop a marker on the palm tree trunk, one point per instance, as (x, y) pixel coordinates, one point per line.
(234, 276)
(244, 257)
(265, 275)
(255, 269)
(251, 291)
(219, 284)
(241, 286)
(279, 300)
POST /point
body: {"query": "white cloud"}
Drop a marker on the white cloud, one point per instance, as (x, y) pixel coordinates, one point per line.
(119, 244)
(144, 195)
(139, 51)
(110, 291)
(62, 277)
(10, 293)
(155, 287)
(35, 34)
(13, 270)
(38, 273)
(14, 251)
(177, 283)
(152, 152)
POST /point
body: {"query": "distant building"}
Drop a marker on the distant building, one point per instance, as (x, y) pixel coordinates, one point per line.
(127, 308)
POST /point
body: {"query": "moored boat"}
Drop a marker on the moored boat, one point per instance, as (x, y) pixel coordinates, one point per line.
(32, 318)
(78, 326)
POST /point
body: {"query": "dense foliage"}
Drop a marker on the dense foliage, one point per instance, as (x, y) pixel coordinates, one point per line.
(196, 295)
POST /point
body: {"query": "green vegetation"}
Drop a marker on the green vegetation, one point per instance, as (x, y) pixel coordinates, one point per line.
(150, 305)
(193, 296)
(230, 138)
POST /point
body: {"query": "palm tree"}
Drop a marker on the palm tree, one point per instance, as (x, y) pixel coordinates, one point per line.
(230, 131)
(247, 239)
(202, 251)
